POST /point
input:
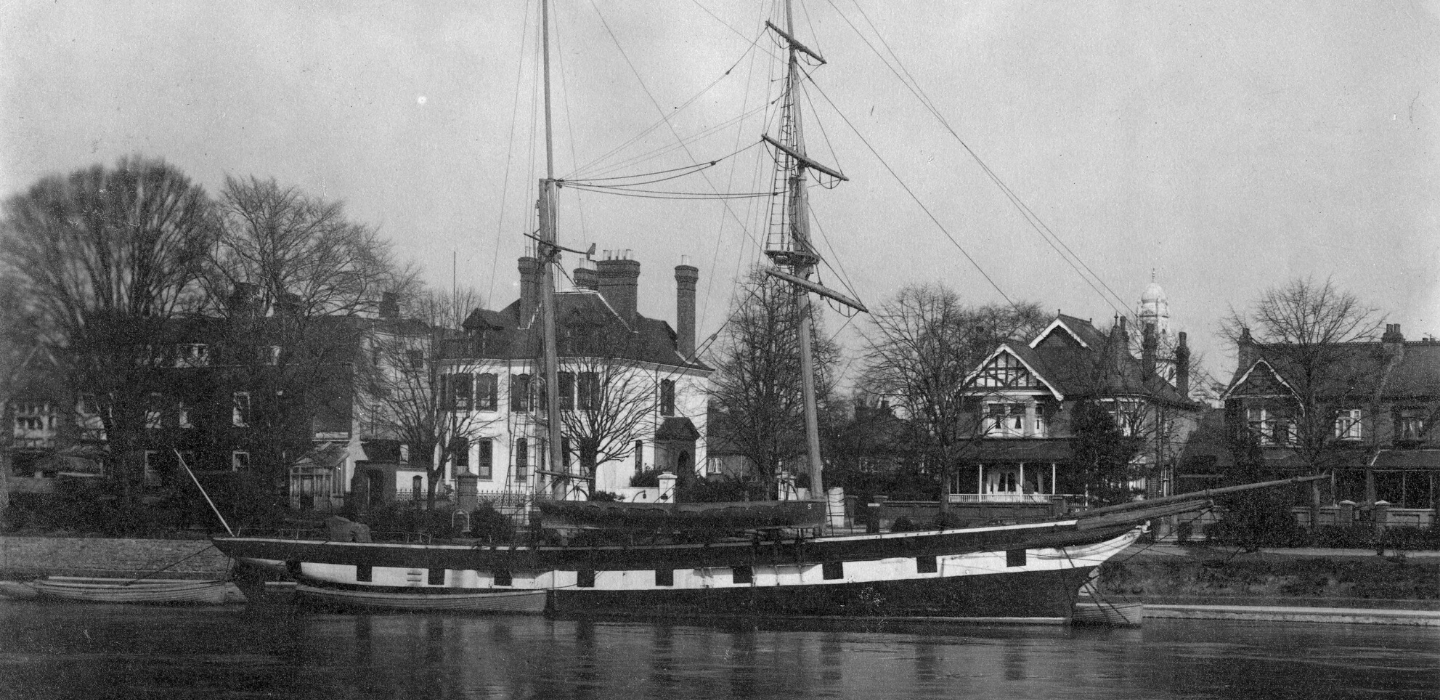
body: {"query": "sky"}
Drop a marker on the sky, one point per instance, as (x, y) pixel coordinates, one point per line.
(1224, 147)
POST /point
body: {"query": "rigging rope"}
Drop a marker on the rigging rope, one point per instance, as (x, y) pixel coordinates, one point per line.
(1036, 223)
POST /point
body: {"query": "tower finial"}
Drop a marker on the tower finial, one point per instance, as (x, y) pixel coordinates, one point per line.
(1152, 274)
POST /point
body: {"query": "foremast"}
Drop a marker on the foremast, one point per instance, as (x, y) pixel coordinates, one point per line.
(548, 252)
(789, 248)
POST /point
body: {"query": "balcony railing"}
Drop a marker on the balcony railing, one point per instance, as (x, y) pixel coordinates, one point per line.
(1007, 497)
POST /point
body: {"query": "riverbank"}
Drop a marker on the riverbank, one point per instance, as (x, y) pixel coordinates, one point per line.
(24, 558)
(1277, 585)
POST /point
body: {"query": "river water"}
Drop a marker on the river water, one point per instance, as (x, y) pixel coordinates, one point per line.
(101, 651)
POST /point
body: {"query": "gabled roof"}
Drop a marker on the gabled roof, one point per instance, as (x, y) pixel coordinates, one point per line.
(1027, 358)
(677, 428)
(1078, 330)
(1264, 381)
(1074, 359)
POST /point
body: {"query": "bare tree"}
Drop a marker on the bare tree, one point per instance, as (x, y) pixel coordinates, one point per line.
(289, 275)
(106, 258)
(924, 345)
(417, 389)
(757, 382)
(607, 400)
(1307, 332)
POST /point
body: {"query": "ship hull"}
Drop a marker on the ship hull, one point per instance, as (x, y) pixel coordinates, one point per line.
(1027, 572)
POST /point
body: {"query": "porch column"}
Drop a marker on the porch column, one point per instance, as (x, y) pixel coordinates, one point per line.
(1020, 484)
(1052, 478)
(980, 482)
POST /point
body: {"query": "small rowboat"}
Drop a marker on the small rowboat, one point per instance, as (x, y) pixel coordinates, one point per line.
(144, 591)
(513, 602)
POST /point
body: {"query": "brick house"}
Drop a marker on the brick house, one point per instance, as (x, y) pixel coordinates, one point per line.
(1369, 423)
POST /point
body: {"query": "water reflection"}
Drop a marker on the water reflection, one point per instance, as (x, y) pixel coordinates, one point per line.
(104, 651)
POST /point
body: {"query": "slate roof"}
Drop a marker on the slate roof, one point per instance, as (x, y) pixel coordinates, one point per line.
(1411, 373)
(498, 334)
(1103, 366)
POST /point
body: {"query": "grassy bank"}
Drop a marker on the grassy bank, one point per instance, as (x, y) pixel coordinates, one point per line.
(1273, 579)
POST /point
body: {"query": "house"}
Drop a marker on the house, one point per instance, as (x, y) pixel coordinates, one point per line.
(232, 394)
(1364, 412)
(1022, 401)
(632, 394)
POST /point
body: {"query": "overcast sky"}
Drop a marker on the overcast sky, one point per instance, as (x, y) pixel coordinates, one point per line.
(1228, 146)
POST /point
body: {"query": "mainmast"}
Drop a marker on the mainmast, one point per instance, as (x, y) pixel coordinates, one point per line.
(548, 252)
(792, 250)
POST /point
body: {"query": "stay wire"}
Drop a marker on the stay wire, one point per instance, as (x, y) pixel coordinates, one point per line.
(913, 196)
(1026, 212)
(509, 151)
(616, 41)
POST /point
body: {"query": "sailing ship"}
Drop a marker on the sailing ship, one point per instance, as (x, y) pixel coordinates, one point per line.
(785, 561)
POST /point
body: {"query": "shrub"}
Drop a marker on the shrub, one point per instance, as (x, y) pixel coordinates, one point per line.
(902, 524)
(720, 489)
(490, 524)
(648, 479)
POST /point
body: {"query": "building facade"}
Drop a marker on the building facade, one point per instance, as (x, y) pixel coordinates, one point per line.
(1024, 401)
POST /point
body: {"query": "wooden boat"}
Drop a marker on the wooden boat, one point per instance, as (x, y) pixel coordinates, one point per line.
(424, 599)
(144, 591)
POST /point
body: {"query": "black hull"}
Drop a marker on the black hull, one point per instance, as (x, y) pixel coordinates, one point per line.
(1048, 595)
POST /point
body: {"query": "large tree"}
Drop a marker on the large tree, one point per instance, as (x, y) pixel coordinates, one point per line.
(922, 346)
(757, 382)
(290, 274)
(107, 257)
(1307, 331)
(418, 386)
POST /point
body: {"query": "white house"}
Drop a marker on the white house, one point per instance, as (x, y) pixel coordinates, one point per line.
(630, 387)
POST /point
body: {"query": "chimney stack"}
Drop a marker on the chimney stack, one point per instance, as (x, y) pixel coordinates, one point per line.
(389, 305)
(686, 276)
(1148, 345)
(529, 290)
(1182, 367)
(1393, 342)
(619, 284)
(288, 304)
(242, 299)
(587, 278)
(1245, 348)
(1119, 341)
